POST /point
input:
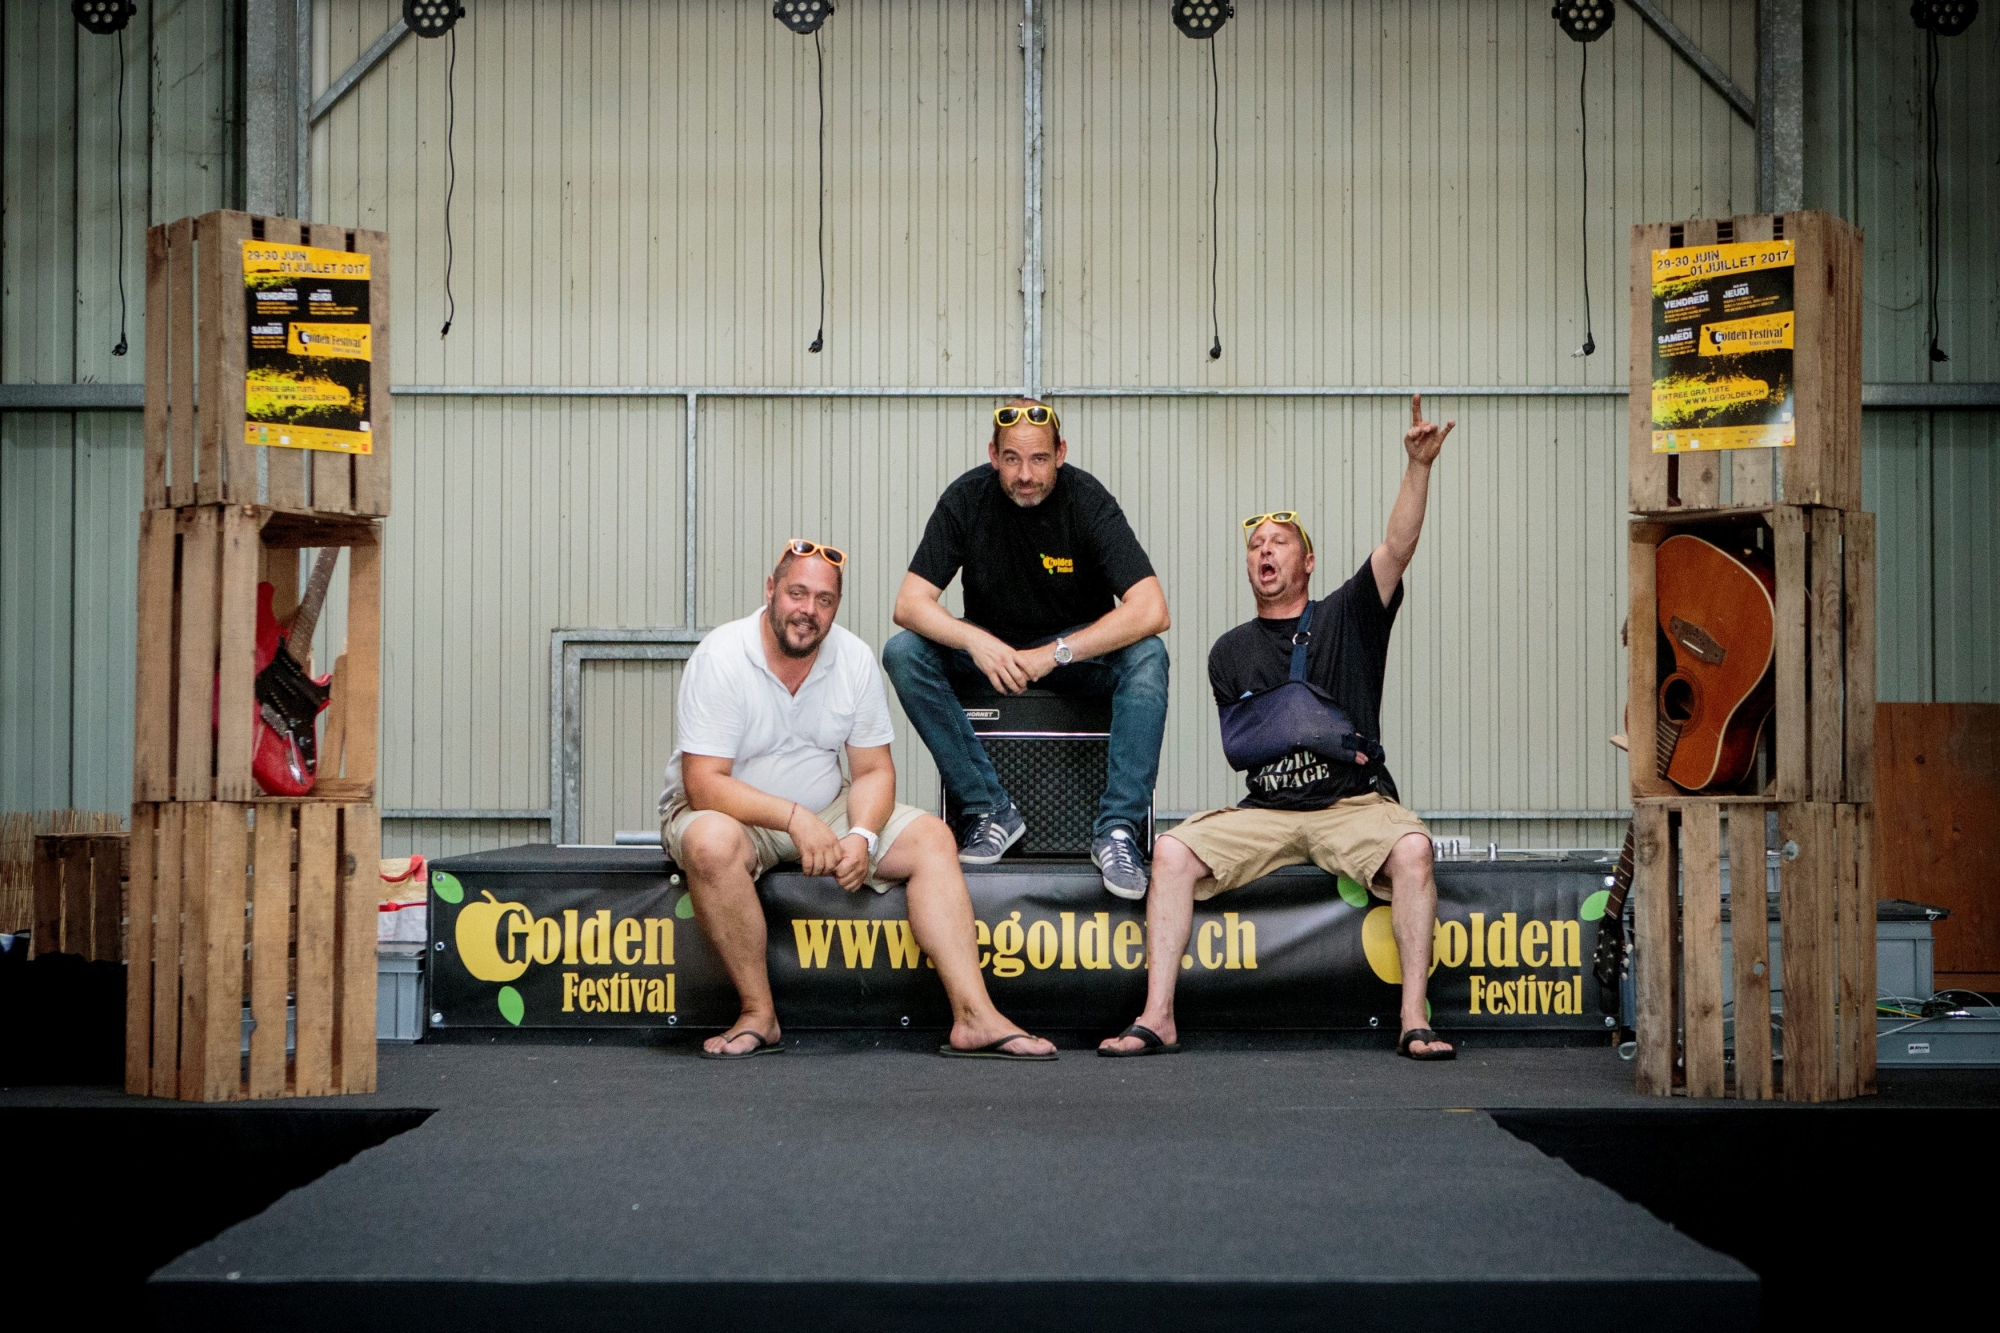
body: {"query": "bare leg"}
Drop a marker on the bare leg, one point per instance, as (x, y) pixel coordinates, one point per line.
(1412, 912)
(926, 856)
(1169, 918)
(719, 861)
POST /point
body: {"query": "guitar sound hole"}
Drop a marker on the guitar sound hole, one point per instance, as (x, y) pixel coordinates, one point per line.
(1677, 699)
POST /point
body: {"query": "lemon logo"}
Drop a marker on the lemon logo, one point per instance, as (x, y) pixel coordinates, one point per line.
(478, 938)
(1378, 943)
(1058, 564)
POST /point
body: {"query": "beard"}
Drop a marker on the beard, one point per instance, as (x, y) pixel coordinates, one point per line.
(781, 627)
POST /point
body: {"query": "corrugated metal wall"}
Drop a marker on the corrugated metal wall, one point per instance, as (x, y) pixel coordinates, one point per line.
(69, 482)
(1930, 476)
(635, 206)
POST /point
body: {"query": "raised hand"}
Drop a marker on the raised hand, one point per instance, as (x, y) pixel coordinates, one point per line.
(1424, 439)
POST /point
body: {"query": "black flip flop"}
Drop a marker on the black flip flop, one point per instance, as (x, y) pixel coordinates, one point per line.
(763, 1047)
(992, 1050)
(1423, 1035)
(1153, 1045)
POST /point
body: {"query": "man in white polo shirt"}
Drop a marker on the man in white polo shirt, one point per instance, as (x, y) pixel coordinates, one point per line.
(766, 706)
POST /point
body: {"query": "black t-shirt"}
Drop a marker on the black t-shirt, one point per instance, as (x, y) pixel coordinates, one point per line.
(1348, 657)
(1030, 574)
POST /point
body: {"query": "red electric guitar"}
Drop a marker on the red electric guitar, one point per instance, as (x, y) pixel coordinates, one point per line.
(285, 758)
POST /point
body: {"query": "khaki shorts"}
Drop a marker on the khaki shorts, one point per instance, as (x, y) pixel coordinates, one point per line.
(775, 848)
(1353, 838)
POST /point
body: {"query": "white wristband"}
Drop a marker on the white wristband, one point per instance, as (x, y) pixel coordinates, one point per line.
(867, 836)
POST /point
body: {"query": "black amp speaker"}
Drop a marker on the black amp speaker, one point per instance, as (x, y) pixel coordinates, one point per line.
(1051, 752)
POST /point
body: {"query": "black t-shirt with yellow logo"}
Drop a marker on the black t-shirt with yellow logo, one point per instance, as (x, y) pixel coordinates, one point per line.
(1030, 574)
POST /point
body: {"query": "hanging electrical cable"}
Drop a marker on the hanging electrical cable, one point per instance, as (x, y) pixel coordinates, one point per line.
(1200, 20)
(819, 60)
(1589, 347)
(806, 17)
(105, 18)
(124, 343)
(450, 176)
(1931, 186)
(1583, 22)
(1215, 210)
(1937, 18)
(439, 18)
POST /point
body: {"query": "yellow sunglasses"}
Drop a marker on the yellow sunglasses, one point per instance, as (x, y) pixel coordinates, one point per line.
(1288, 516)
(833, 555)
(1036, 415)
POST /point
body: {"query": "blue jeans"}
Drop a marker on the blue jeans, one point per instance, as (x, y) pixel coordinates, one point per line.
(1134, 677)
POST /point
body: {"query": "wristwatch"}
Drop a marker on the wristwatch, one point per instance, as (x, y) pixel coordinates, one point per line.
(867, 836)
(1064, 656)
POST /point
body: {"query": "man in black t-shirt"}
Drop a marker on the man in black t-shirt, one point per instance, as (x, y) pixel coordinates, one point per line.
(1336, 807)
(1059, 594)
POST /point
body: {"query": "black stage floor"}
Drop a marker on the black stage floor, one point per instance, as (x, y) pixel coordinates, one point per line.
(857, 1185)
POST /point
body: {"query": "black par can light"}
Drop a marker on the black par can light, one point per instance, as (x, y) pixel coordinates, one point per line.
(1584, 20)
(1200, 19)
(432, 18)
(803, 17)
(1946, 18)
(103, 17)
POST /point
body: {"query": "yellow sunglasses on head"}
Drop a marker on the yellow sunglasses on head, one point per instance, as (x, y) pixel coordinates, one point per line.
(1287, 516)
(833, 555)
(1034, 415)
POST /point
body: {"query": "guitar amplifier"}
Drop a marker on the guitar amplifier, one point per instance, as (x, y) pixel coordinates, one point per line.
(1051, 752)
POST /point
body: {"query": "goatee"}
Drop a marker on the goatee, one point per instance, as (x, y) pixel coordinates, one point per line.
(785, 644)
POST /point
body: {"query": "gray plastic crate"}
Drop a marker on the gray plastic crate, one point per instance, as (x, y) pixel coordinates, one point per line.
(399, 992)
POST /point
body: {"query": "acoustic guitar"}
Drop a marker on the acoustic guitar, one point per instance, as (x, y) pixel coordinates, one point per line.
(1716, 608)
(285, 758)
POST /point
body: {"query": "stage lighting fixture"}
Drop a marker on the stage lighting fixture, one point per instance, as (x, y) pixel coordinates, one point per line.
(1584, 20)
(802, 16)
(432, 18)
(1200, 18)
(1946, 18)
(103, 17)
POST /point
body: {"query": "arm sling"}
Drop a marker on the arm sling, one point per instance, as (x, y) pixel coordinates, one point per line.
(1263, 727)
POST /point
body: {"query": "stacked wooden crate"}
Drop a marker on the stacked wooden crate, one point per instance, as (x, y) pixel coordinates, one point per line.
(1799, 507)
(247, 910)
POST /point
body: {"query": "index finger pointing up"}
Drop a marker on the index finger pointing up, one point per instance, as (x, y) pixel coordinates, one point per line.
(1416, 409)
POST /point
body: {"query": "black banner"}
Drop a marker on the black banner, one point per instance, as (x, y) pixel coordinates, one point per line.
(544, 937)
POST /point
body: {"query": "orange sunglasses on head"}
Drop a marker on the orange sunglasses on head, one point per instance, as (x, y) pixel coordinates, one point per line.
(833, 555)
(1034, 415)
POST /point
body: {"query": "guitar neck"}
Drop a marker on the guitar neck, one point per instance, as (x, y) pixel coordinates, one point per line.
(298, 640)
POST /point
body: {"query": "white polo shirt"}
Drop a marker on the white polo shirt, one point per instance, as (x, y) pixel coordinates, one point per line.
(732, 706)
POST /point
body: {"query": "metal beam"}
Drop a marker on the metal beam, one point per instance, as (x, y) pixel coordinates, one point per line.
(1717, 77)
(132, 397)
(1929, 397)
(525, 816)
(1034, 36)
(569, 649)
(270, 108)
(1781, 106)
(368, 59)
(72, 397)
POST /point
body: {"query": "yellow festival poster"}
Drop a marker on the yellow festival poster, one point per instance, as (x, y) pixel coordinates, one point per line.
(310, 348)
(1722, 347)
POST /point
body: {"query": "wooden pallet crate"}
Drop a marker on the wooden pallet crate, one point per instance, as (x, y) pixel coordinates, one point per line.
(196, 343)
(251, 909)
(1820, 742)
(1826, 905)
(198, 574)
(1823, 466)
(79, 886)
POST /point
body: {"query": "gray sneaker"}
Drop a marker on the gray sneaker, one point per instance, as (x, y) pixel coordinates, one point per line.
(987, 837)
(1117, 856)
